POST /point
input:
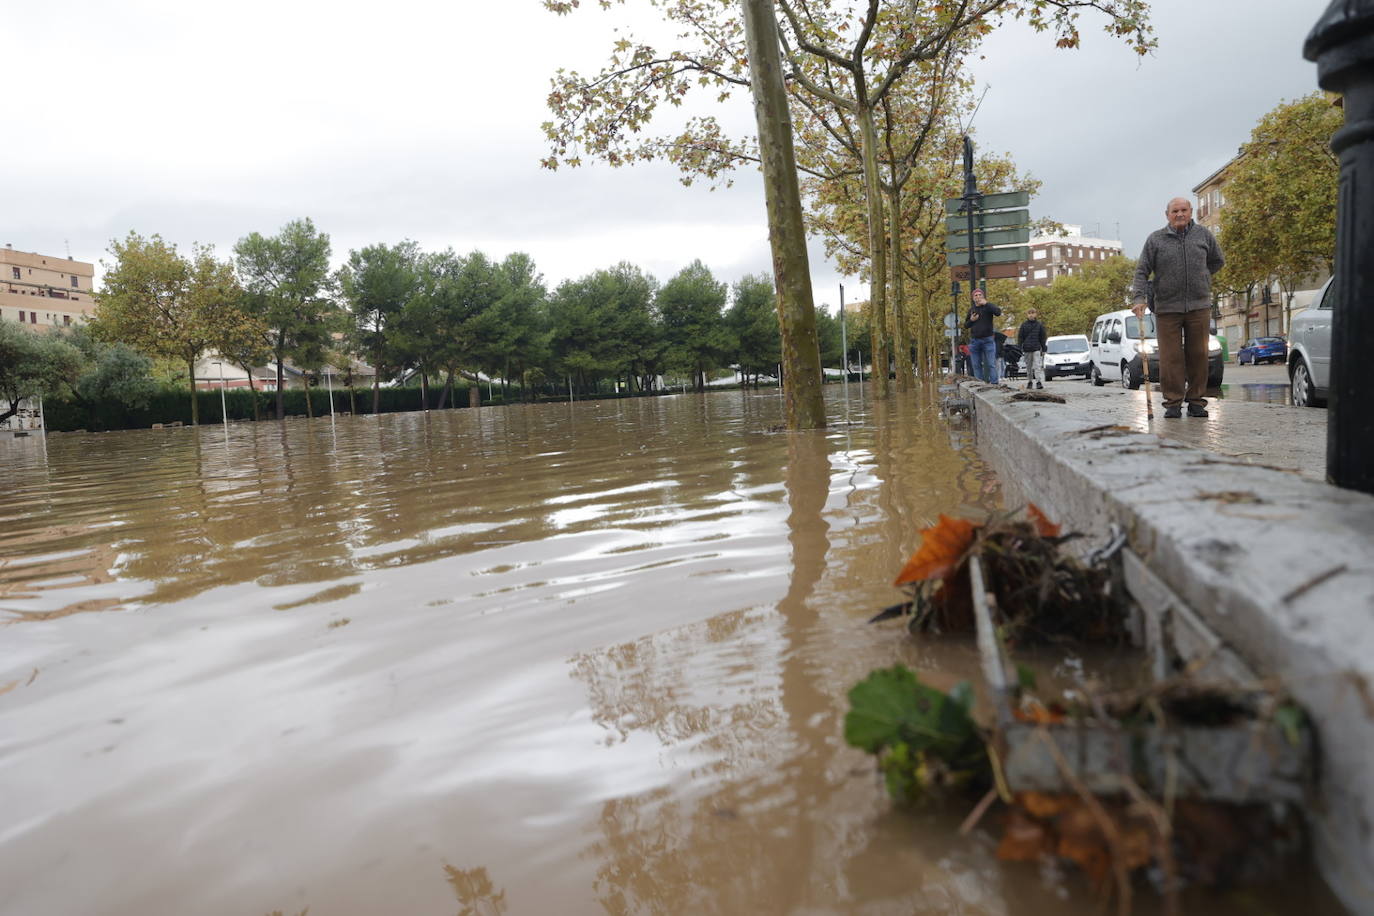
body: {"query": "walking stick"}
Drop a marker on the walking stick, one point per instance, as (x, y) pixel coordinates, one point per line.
(1145, 367)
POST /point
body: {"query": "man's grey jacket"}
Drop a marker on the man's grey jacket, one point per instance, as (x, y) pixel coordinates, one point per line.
(1182, 264)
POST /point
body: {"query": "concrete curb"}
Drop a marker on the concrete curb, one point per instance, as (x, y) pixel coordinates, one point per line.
(1279, 567)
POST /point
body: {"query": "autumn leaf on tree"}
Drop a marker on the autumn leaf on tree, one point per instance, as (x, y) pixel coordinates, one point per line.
(942, 548)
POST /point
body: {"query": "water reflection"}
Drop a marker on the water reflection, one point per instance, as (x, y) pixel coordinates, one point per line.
(1260, 392)
(477, 896)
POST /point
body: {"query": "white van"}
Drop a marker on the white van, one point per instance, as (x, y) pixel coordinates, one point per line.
(1066, 354)
(1114, 350)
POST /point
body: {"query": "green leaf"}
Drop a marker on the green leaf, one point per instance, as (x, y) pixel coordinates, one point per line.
(892, 706)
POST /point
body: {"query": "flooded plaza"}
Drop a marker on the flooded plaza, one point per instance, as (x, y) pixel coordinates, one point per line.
(564, 658)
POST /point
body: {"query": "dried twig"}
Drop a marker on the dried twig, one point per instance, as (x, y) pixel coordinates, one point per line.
(977, 813)
(1104, 822)
(1312, 583)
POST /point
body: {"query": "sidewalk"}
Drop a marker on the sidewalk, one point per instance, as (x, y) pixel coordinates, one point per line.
(1252, 421)
(1231, 513)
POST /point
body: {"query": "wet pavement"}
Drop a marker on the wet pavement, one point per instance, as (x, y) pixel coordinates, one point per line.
(1251, 418)
(585, 658)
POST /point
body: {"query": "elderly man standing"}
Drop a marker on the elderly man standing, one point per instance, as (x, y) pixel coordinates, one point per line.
(1182, 257)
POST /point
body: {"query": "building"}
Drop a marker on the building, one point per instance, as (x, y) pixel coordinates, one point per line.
(1061, 255)
(43, 290)
(1241, 315)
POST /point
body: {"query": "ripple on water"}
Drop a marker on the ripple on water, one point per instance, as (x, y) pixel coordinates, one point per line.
(575, 658)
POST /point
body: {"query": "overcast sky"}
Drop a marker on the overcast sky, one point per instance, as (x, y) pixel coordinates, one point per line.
(412, 119)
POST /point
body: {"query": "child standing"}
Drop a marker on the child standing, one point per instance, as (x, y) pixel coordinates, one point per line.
(1031, 339)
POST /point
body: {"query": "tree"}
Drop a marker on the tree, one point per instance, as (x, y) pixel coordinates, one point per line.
(1279, 221)
(753, 324)
(33, 364)
(111, 371)
(603, 326)
(1071, 303)
(828, 338)
(690, 306)
(377, 281)
(517, 339)
(246, 344)
(284, 276)
(167, 305)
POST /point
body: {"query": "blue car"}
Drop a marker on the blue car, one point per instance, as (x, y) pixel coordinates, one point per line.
(1263, 350)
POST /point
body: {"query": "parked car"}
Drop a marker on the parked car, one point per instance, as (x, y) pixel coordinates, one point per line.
(1309, 355)
(1263, 350)
(1066, 354)
(1114, 350)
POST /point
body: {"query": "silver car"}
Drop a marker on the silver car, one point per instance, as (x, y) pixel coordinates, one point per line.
(1309, 350)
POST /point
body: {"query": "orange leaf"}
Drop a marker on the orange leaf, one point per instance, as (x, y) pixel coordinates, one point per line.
(1023, 840)
(1039, 713)
(942, 546)
(1046, 805)
(1047, 528)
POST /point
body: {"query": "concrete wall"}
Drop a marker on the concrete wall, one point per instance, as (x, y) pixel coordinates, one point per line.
(1281, 568)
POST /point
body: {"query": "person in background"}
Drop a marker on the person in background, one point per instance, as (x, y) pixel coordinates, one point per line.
(1031, 339)
(1182, 257)
(982, 346)
(1000, 340)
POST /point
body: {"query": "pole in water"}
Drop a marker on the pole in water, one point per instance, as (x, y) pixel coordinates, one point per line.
(1145, 368)
(844, 343)
(223, 410)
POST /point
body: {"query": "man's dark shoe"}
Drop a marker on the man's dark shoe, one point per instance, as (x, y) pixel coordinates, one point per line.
(1172, 413)
(1040, 386)
(1196, 411)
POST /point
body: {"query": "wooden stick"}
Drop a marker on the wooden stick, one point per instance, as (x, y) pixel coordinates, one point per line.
(1145, 366)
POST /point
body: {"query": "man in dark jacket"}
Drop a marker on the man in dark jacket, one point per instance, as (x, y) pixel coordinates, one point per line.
(981, 346)
(1031, 339)
(1182, 257)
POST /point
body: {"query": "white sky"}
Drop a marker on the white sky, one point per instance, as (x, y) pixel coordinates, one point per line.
(413, 119)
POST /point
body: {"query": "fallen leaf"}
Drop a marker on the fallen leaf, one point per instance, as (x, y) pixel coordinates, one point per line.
(1045, 804)
(1023, 840)
(8, 687)
(1043, 525)
(942, 547)
(1038, 713)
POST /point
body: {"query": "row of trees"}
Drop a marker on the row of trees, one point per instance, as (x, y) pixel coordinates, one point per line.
(437, 317)
(878, 92)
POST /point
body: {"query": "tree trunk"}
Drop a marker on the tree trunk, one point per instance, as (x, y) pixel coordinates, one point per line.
(803, 400)
(877, 246)
(305, 385)
(901, 322)
(248, 370)
(195, 401)
(376, 381)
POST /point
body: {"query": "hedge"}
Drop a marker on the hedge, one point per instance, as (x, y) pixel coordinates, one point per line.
(173, 405)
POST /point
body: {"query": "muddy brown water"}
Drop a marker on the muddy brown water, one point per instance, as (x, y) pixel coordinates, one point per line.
(563, 658)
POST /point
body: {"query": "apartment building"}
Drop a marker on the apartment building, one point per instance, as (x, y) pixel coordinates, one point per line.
(1060, 255)
(44, 291)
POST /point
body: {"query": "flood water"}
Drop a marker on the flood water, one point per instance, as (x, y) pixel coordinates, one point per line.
(567, 658)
